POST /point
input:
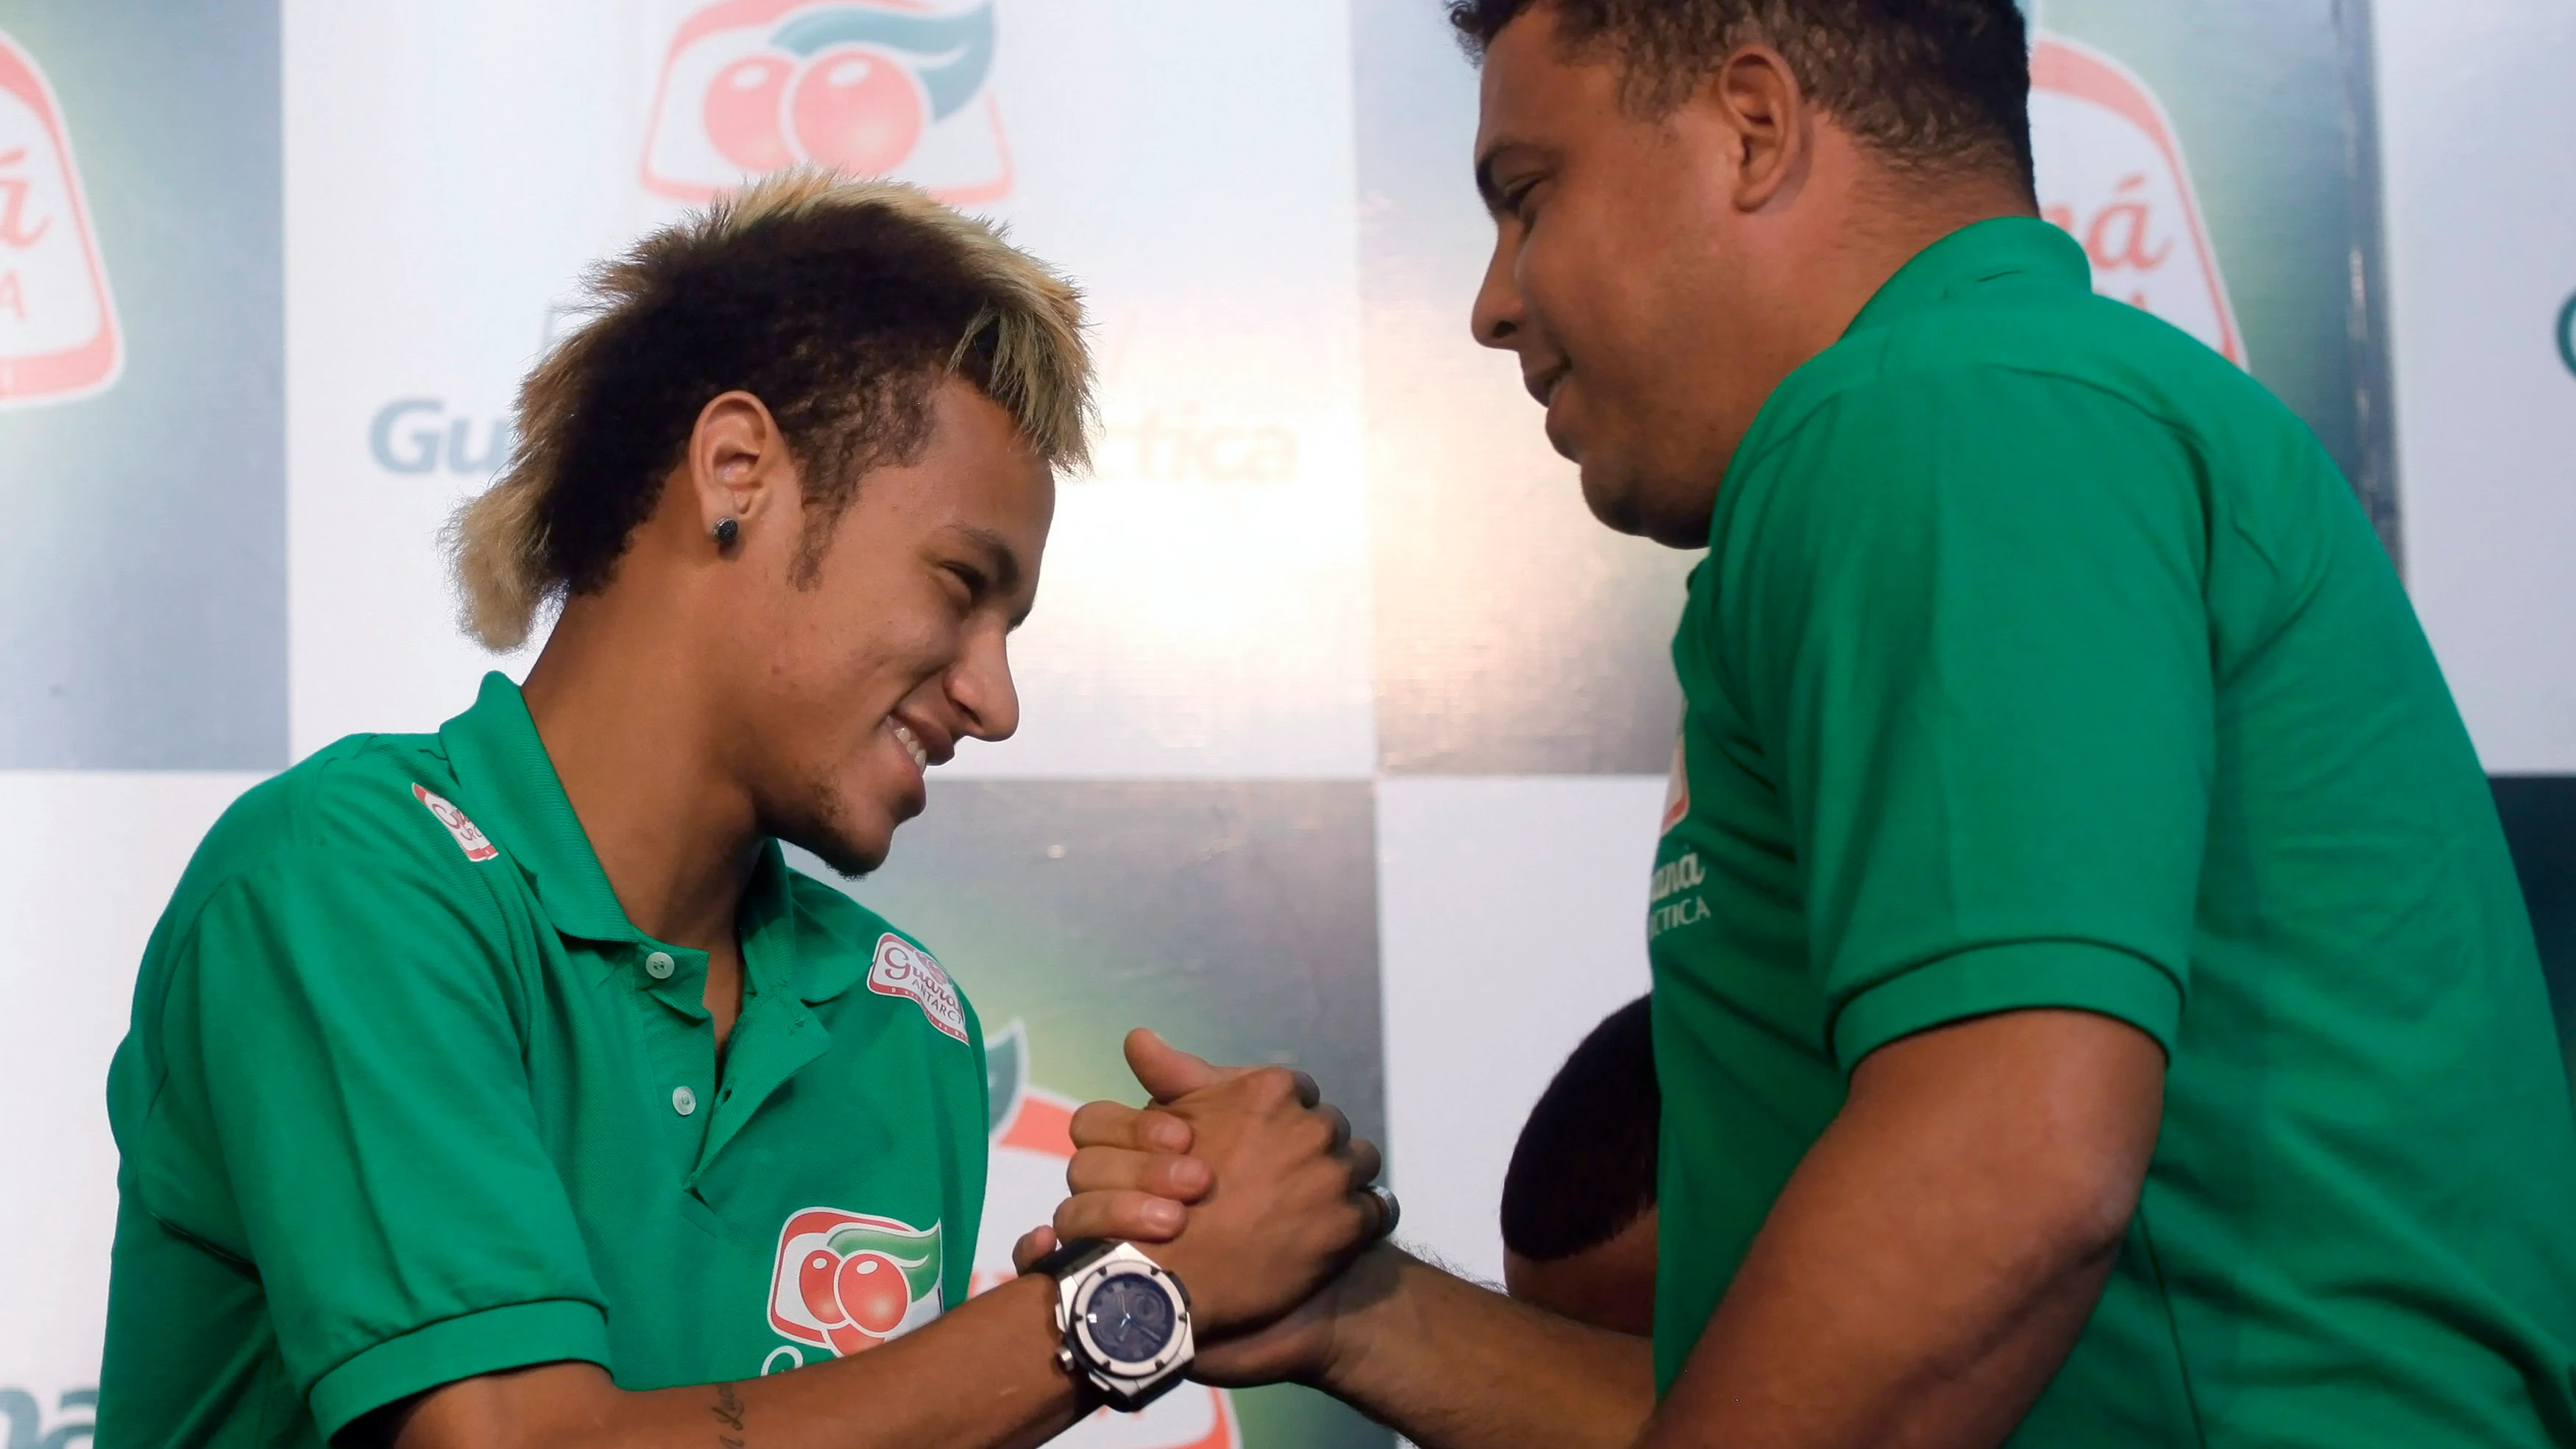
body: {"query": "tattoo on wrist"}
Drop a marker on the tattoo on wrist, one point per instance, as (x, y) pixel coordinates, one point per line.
(728, 1410)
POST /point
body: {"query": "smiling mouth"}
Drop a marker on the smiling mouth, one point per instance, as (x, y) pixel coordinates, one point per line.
(1543, 385)
(912, 746)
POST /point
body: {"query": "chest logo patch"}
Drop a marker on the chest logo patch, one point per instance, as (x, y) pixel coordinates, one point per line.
(469, 837)
(904, 969)
(849, 1281)
(1677, 789)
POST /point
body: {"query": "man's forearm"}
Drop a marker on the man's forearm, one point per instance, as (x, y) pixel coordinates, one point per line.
(1917, 1284)
(1453, 1365)
(984, 1375)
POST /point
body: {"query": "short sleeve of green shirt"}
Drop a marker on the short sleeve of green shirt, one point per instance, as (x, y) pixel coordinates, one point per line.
(342, 1024)
(1984, 663)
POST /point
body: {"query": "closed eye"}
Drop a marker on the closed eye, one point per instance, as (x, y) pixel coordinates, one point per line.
(977, 586)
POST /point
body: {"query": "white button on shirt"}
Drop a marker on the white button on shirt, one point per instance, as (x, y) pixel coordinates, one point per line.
(658, 966)
(683, 1101)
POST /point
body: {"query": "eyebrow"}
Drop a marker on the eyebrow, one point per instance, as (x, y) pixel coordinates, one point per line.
(1486, 187)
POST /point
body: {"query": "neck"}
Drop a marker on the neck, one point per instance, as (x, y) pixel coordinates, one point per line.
(1886, 220)
(631, 738)
(1850, 225)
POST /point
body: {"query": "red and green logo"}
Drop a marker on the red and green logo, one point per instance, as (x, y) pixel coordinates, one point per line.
(848, 1281)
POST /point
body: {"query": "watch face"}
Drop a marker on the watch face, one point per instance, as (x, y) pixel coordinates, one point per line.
(1130, 1317)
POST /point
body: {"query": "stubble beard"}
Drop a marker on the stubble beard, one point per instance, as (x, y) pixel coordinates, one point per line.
(816, 823)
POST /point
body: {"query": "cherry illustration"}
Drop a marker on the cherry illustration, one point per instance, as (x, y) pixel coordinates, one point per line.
(856, 109)
(814, 1285)
(741, 112)
(873, 1292)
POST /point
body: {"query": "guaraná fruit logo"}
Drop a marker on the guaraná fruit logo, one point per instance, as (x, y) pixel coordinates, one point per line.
(58, 336)
(848, 1282)
(903, 969)
(2111, 174)
(896, 88)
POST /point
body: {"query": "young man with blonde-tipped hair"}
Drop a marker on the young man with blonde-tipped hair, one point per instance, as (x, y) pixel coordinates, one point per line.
(502, 1085)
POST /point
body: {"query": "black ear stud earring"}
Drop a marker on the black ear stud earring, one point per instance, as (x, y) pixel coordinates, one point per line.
(726, 532)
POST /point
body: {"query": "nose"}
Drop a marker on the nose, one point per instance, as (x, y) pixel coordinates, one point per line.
(1497, 318)
(980, 686)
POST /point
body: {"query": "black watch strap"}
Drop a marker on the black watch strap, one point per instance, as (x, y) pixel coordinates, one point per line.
(1067, 1256)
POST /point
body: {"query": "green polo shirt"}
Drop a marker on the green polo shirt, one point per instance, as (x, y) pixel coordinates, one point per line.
(2042, 659)
(407, 1099)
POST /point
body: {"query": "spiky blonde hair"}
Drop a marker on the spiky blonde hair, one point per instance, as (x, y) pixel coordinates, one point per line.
(847, 299)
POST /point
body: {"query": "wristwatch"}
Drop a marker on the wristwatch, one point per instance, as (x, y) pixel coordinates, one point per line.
(1125, 1321)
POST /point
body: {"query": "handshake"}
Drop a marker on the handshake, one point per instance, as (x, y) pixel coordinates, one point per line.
(1249, 1188)
(1246, 1186)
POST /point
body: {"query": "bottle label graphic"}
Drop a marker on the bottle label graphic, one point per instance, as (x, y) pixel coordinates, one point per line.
(895, 88)
(2111, 173)
(58, 333)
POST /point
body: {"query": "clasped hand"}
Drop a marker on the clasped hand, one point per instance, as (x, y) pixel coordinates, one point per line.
(1240, 1180)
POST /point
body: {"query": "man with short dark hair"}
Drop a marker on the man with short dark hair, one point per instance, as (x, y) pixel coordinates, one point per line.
(2093, 1002)
(504, 1086)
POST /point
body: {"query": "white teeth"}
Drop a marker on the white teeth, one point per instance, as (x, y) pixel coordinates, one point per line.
(912, 747)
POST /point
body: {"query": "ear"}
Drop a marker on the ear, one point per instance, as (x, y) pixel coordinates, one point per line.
(738, 466)
(1755, 96)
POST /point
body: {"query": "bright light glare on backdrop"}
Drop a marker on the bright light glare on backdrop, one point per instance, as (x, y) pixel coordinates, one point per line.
(438, 212)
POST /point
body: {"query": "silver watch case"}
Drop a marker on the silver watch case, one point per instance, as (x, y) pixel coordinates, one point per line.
(1128, 1384)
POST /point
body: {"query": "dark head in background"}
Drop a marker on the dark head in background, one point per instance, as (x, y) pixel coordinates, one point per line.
(1579, 1198)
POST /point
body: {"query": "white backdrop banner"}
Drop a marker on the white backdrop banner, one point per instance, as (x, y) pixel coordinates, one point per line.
(2478, 118)
(1345, 727)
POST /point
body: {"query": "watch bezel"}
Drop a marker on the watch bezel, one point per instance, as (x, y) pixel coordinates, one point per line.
(1129, 1384)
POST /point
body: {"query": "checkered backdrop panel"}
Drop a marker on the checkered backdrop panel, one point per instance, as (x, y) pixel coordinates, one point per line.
(1346, 726)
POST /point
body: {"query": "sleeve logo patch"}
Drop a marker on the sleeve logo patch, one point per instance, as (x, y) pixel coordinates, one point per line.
(904, 969)
(470, 839)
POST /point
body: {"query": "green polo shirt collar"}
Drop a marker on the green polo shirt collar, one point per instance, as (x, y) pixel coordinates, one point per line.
(1982, 252)
(519, 802)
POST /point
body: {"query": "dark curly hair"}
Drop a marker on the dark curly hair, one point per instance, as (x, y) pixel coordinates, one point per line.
(1929, 84)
